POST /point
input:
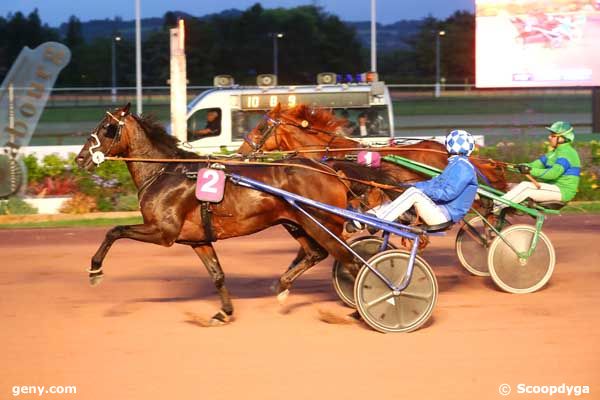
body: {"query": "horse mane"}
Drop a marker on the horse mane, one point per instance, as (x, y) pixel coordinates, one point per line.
(318, 118)
(159, 137)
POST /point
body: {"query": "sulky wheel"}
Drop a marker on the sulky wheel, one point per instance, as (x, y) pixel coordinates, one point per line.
(471, 251)
(343, 281)
(386, 311)
(520, 275)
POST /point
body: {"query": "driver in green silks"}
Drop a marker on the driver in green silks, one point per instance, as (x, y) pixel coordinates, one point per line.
(557, 171)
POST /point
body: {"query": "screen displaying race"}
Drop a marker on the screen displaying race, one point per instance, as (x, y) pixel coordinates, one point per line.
(534, 43)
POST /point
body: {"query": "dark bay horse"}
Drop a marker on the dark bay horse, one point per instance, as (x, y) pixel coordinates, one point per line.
(171, 212)
(314, 130)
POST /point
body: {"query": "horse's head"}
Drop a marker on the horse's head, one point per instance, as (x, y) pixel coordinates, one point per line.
(264, 135)
(109, 138)
(295, 128)
(494, 172)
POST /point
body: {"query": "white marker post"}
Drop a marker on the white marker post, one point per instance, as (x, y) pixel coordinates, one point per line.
(178, 82)
(138, 57)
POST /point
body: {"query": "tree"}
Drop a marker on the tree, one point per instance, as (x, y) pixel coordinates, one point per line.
(242, 45)
(3, 47)
(72, 75)
(19, 31)
(457, 50)
(74, 36)
(423, 49)
(458, 53)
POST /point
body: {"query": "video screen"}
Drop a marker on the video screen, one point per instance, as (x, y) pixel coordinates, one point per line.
(534, 43)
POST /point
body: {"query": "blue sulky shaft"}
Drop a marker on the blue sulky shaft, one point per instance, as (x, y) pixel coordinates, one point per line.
(387, 226)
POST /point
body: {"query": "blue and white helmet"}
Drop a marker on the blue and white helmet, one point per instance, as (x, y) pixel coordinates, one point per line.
(460, 142)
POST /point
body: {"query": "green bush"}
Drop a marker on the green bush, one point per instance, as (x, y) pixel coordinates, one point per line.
(34, 169)
(127, 203)
(53, 166)
(16, 206)
(105, 204)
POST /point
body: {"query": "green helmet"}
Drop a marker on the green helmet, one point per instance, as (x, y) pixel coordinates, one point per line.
(564, 129)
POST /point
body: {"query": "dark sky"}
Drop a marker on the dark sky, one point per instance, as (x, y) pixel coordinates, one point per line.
(55, 12)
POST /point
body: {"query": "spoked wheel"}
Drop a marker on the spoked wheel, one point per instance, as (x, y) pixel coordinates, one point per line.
(343, 281)
(381, 308)
(521, 275)
(472, 250)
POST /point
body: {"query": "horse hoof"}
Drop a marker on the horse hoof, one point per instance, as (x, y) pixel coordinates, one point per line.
(354, 316)
(282, 297)
(219, 319)
(96, 279)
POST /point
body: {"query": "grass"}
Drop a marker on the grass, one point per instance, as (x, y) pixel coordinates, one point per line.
(86, 113)
(77, 223)
(476, 105)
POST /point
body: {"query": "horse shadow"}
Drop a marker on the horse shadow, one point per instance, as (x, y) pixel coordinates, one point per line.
(240, 287)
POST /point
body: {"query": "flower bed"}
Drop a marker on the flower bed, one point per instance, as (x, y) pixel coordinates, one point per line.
(108, 188)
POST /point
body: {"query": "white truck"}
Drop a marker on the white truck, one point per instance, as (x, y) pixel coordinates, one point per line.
(241, 108)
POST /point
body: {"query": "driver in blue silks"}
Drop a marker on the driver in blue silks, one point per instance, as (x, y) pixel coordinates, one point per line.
(446, 197)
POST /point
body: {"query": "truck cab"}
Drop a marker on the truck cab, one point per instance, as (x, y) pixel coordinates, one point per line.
(366, 106)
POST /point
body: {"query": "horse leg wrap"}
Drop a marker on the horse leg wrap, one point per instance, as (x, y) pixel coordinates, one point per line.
(96, 277)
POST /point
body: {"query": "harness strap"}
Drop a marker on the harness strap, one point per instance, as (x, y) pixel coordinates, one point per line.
(205, 214)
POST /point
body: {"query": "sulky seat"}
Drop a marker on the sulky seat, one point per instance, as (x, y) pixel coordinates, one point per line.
(437, 228)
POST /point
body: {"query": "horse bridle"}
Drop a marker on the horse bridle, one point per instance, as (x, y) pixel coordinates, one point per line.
(269, 128)
(98, 157)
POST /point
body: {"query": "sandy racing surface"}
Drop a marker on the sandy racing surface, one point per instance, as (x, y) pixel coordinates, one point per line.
(136, 336)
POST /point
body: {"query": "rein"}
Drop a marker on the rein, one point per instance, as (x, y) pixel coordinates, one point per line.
(235, 162)
(305, 125)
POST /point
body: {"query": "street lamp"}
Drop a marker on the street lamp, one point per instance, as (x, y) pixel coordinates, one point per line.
(438, 35)
(276, 36)
(114, 67)
(373, 36)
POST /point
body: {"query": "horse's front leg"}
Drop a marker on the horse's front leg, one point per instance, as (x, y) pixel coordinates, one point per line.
(209, 258)
(298, 234)
(143, 232)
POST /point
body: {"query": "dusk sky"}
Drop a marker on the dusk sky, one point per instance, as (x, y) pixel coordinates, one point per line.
(54, 12)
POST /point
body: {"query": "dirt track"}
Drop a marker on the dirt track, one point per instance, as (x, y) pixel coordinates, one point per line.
(134, 336)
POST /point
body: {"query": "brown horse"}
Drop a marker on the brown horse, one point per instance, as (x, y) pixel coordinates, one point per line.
(313, 131)
(172, 214)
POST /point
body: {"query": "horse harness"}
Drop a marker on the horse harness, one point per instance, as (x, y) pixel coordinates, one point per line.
(112, 131)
